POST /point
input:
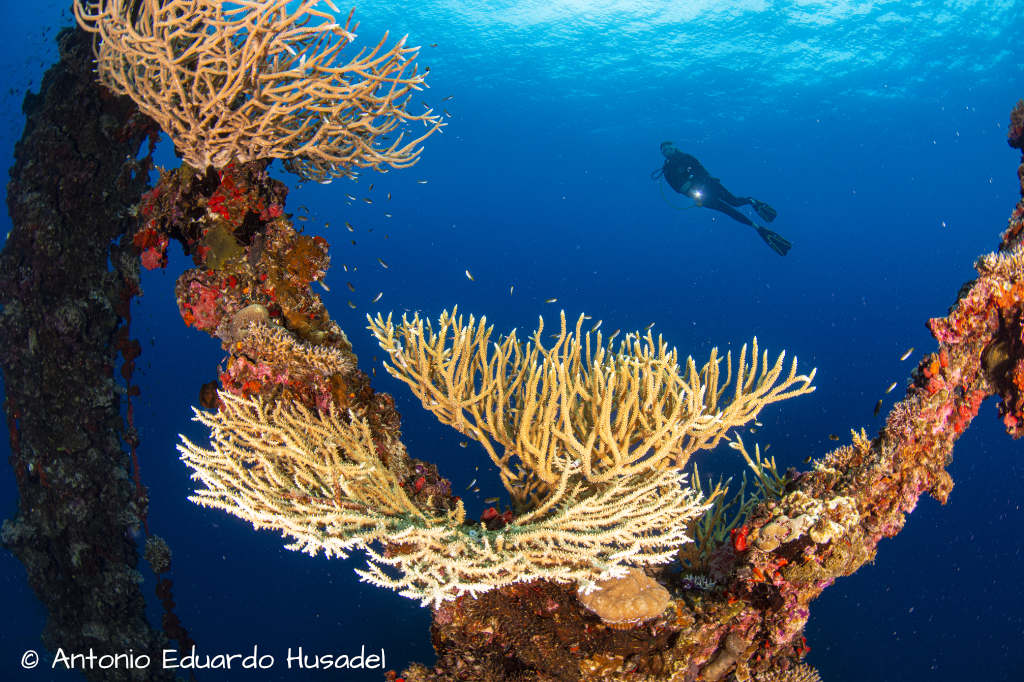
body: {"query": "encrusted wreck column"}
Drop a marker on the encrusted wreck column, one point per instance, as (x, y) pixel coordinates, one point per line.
(62, 326)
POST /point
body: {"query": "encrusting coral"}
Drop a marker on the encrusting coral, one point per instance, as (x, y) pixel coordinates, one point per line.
(630, 599)
(259, 80)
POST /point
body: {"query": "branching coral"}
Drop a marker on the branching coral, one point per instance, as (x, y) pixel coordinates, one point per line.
(246, 80)
(617, 410)
(605, 493)
(317, 478)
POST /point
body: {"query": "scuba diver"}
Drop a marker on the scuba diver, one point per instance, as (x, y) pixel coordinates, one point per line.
(686, 175)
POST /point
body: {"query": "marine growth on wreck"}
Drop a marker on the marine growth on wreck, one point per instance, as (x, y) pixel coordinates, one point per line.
(607, 555)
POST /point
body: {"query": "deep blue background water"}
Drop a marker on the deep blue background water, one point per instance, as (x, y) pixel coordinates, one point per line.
(877, 129)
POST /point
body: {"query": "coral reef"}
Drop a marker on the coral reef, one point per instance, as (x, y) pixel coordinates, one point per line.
(582, 516)
(595, 519)
(302, 443)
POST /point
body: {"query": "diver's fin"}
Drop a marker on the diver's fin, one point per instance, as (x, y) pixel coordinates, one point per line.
(766, 212)
(776, 241)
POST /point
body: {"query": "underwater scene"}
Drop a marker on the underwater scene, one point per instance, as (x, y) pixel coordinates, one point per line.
(525, 341)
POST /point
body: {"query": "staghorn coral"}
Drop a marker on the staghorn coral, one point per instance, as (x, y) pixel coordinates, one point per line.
(250, 80)
(618, 411)
(318, 479)
(797, 673)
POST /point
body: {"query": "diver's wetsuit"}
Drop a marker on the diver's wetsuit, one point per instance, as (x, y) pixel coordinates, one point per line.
(685, 174)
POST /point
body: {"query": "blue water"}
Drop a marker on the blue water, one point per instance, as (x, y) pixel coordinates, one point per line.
(876, 129)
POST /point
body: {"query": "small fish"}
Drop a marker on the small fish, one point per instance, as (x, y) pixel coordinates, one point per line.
(344, 267)
(469, 276)
(833, 436)
(368, 200)
(350, 197)
(327, 224)
(321, 283)
(907, 354)
(878, 407)
(447, 113)
(614, 334)
(766, 447)
(349, 226)
(476, 490)
(382, 263)
(371, 188)
(387, 215)
(491, 500)
(351, 305)
(421, 182)
(648, 327)
(807, 459)
(302, 218)
(471, 484)
(377, 297)
(353, 242)
(596, 326)
(891, 386)
(433, 44)
(757, 423)
(463, 444)
(511, 289)
(448, 98)
(551, 300)
(351, 287)
(389, 196)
